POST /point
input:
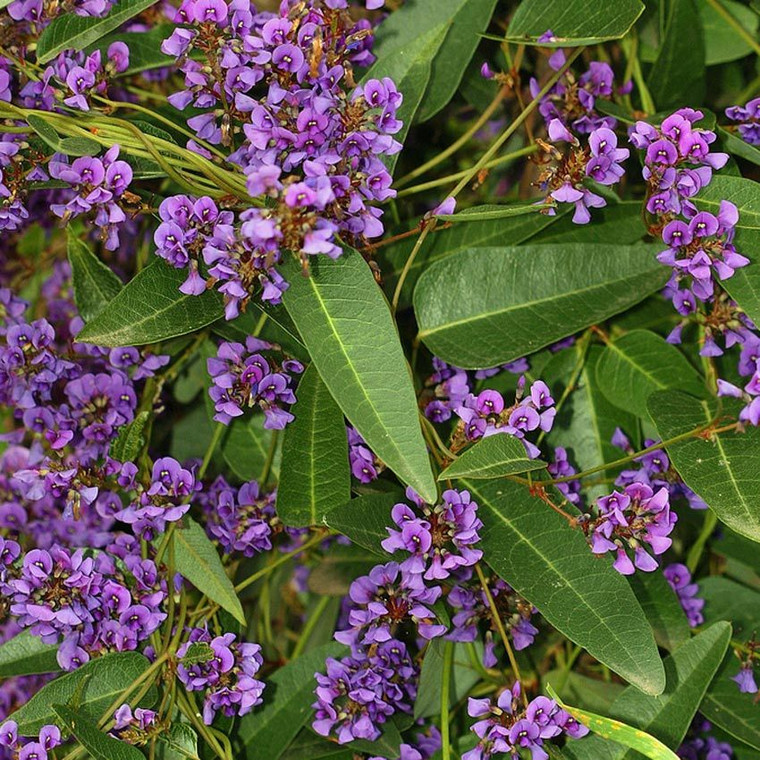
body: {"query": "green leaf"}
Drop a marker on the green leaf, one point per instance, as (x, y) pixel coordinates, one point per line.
(70, 31)
(491, 211)
(493, 457)
(734, 144)
(662, 608)
(287, 703)
(95, 284)
(587, 693)
(463, 677)
(347, 326)
(550, 564)
(25, 655)
(574, 22)
(410, 68)
(586, 422)
(677, 76)
(315, 475)
(639, 363)
(70, 146)
(198, 561)
(722, 470)
(130, 439)
(462, 22)
(246, 448)
(100, 746)
(744, 286)
(364, 520)
(724, 704)
(387, 745)
(722, 42)
(106, 678)
(198, 651)
(448, 241)
(308, 745)
(178, 743)
(151, 308)
(513, 301)
(667, 717)
(144, 48)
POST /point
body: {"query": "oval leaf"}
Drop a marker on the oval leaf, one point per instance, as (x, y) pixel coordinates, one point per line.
(26, 655)
(364, 520)
(151, 308)
(493, 457)
(551, 565)
(95, 285)
(198, 561)
(100, 746)
(512, 301)
(722, 470)
(348, 329)
(640, 363)
(315, 474)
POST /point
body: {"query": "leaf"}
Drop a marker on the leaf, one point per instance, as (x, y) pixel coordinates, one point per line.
(492, 211)
(409, 67)
(744, 286)
(25, 655)
(667, 717)
(151, 308)
(308, 745)
(722, 43)
(70, 146)
(347, 326)
(130, 439)
(198, 651)
(722, 470)
(95, 284)
(198, 561)
(144, 48)
(493, 457)
(387, 744)
(364, 520)
(287, 703)
(587, 693)
(462, 22)
(178, 743)
(724, 704)
(246, 447)
(662, 608)
(315, 475)
(513, 301)
(100, 746)
(107, 677)
(735, 145)
(677, 76)
(70, 31)
(551, 565)
(639, 363)
(463, 677)
(573, 22)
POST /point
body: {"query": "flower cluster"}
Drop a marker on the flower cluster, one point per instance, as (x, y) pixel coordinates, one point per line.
(631, 520)
(19, 748)
(508, 726)
(135, 727)
(94, 603)
(311, 144)
(487, 414)
(224, 669)
(365, 466)
(97, 186)
(243, 377)
(359, 693)
(438, 538)
(678, 162)
(679, 578)
(748, 118)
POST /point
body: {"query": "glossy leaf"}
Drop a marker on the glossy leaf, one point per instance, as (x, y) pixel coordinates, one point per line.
(71, 31)
(722, 470)
(493, 457)
(287, 703)
(722, 42)
(677, 76)
(550, 564)
(198, 561)
(100, 746)
(95, 284)
(364, 520)
(150, 308)
(513, 301)
(106, 678)
(315, 475)
(347, 326)
(25, 654)
(573, 22)
(639, 363)
(744, 286)
(445, 242)
(179, 742)
(667, 717)
(724, 704)
(144, 48)
(616, 224)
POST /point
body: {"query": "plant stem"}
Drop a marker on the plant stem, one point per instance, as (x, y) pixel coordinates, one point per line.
(448, 661)
(219, 431)
(311, 624)
(697, 549)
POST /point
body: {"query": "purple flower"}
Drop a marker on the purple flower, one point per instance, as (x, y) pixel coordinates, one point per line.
(679, 578)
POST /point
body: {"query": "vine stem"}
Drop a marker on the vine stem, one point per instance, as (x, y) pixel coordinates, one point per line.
(311, 624)
(448, 661)
(500, 625)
